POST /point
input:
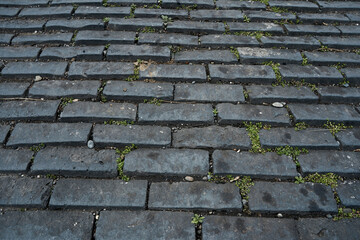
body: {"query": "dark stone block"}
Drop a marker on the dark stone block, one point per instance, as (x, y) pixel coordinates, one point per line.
(305, 42)
(301, 6)
(228, 41)
(14, 161)
(101, 12)
(244, 5)
(76, 24)
(100, 70)
(269, 16)
(14, 53)
(21, 3)
(259, 55)
(78, 53)
(206, 56)
(13, 89)
(47, 12)
(168, 39)
(22, 25)
(302, 29)
(217, 15)
(351, 30)
(8, 12)
(150, 13)
(349, 138)
(329, 58)
(354, 17)
(134, 24)
(5, 38)
(129, 2)
(135, 52)
(45, 38)
(195, 27)
(4, 130)
(323, 18)
(253, 27)
(32, 69)
(77, 2)
(338, 6)
(179, 3)
(104, 37)
(339, 42)
(332, 94)
(352, 75)
(349, 193)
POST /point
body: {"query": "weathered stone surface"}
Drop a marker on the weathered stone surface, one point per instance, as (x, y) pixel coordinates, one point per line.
(8, 3)
(219, 15)
(138, 91)
(234, 114)
(5, 38)
(320, 18)
(8, 12)
(61, 88)
(32, 69)
(172, 13)
(167, 162)
(129, 2)
(294, 5)
(101, 12)
(331, 94)
(102, 70)
(78, 53)
(179, 3)
(228, 41)
(14, 161)
(244, 5)
(342, 163)
(98, 194)
(48, 12)
(200, 93)
(339, 6)
(352, 75)
(104, 37)
(349, 193)
(349, 30)
(4, 130)
(310, 138)
(28, 110)
(173, 72)
(75, 162)
(305, 42)
(195, 27)
(212, 137)
(328, 58)
(206, 56)
(141, 136)
(13, 89)
(265, 166)
(183, 113)
(134, 24)
(253, 27)
(168, 39)
(226, 227)
(9, 53)
(44, 38)
(354, 17)
(24, 192)
(35, 225)
(302, 29)
(275, 197)
(242, 73)
(28, 134)
(90, 2)
(194, 196)
(135, 52)
(22, 25)
(269, 16)
(349, 138)
(145, 225)
(340, 42)
(259, 55)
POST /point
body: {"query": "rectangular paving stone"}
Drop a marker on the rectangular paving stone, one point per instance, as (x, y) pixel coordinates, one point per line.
(94, 53)
(213, 40)
(349, 193)
(291, 198)
(179, 3)
(305, 42)
(195, 27)
(332, 94)
(310, 138)
(98, 194)
(5, 38)
(13, 89)
(4, 130)
(75, 24)
(28, 110)
(244, 5)
(259, 94)
(342, 163)
(311, 74)
(135, 52)
(24, 192)
(22, 25)
(323, 18)
(181, 113)
(264, 166)
(195, 196)
(35, 225)
(338, 6)
(43, 38)
(253, 27)
(19, 3)
(340, 42)
(150, 13)
(141, 136)
(205, 56)
(87, 37)
(75, 162)
(129, 2)
(14, 53)
(60, 88)
(303, 29)
(242, 73)
(349, 30)
(165, 72)
(328, 58)
(136, 225)
(166, 162)
(29, 134)
(226, 227)
(301, 6)
(354, 17)
(319, 114)
(47, 12)
(253, 55)
(352, 75)
(100, 70)
(31, 69)
(212, 137)
(269, 16)
(168, 39)
(236, 114)
(77, 2)
(134, 24)
(200, 93)
(9, 12)
(101, 12)
(137, 91)
(217, 15)
(14, 161)
(98, 112)
(349, 138)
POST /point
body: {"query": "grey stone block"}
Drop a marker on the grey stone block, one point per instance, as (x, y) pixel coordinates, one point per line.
(329, 58)
(14, 161)
(294, 5)
(349, 138)
(20, 3)
(22, 25)
(76, 24)
(354, 17)
(129, 2)
(47, 12)
(303, 29)
(179, 3)
(5, 38)
(13, 89)
(352, 75)
(323, 18)
(32, 69)
(253, 27)
(349, 193)
(349, 30)
(135, 52)
(87, 37)
(4, 130)
(195, 27)
(228, 41)
(243, 5)
(43, 38)
(77, 53)
(100, 70)
(206, 56)
(134, 24)
(9, 12)
(217, 15)
(150, 13)
(13, 53)
(101, 12)
(259, 55)
(168, 39)
(305, 42)
(338, 6)
(332, 94)
(78, 2)
(340, 42)
(269, 16)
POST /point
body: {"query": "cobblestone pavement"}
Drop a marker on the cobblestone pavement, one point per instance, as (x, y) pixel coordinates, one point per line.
(179, 119)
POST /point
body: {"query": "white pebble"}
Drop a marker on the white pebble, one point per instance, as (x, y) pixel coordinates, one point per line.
(90, 144)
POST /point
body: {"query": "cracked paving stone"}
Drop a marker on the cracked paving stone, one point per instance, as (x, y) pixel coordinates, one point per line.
(168, 39)
(206, 56)
(133, 53)
(13, 53)
(102, 70)
(77, 53)
(32, 69)
(349, 193)
(330, 94)
(44, 38)
(305, 42)
(214, 40)
(349, 138)
(13, 89)
(259, 55)
(87, 37)
(4, 130)
(15, 161)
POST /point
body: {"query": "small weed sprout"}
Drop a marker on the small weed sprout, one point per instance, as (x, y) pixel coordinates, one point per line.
(166, 19)
(335, 128)
(329, 179)
(121, 160)
(244, 184)
(253, 132)
(106, 19)
(37, 148)
(155, 101)
(300, 126)
(65, 101)
(113, 122)
(197, 219)
(215, 112)
(235, 52)
(246, 18)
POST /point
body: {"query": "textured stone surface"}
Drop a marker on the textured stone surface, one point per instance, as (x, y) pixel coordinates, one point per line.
(220, 15)
(44, 38)
(214, 40)
(24, 3)
(303, 29)
(5, 38)
(133, 53)
(205, 56)
(349, 138)
(9, 12)
(101, 12)
(195, 27)
(294, 5)
(269, 16)
(253, 27)
(352, 75)
(9, 53)
(133, 24)
(329, 94)
(168, 39)
(14, 161)
(103, 70)
(259, 55)
(306, 42)
(77, 53)
(323, 18)
(48, 12)
(22, 25)
(244, 5)
(340, 42)
(13, 89)
(32, 69)
(173, 13)
(77, 24)
(179, 3)
(4, 129)
(349, 193)
(328, 58)
(104, 37)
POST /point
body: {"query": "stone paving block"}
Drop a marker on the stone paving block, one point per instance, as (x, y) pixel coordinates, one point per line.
(78, 53)
(264, 166)
(332, 94)
(168, 39)
(98, 112)
(305, 42)
(47, 12)
(24, 192)
(349, 138)
(76, 24)
(328, 58)
(87, 37)
(28, 110)
(9, 12)
(138, 91)
(226, 227)
(149, 13)
(244, 5)
(141, 136)
(253, 55)
(311, 74)
(32, 69)
(181, 113)
(165, 72)
(35, 225)
(195, 196)
(22, 25)
(5, 38)
(349, 30)
(352, 75)
(61, 88)
(135, 52)
(77, 2)
(301, 6)
(29, 134)
(228, 41)
(340, 42)
(242, 73)
(14, 161)
(13, 89)
(310, 138)
(349, 193)
(195, 27)
(269, 16)
(314, 18)
(206, 56)
(101, 12)
(291, 198)
(44, 38)
(338, 6)
(237, 114)
(200, 93)
(100, 70)
(354, 17)
(145, 225)
(266, 93)
(303, 29)
(98, 194)
(253, 27)
(179, 3)
(20, 3)
(134, 24)
(212, 137)
(167, 162)
(4, 130)
(319, 114)
(13, 53)
(75, 162)
(217, 15)
(129, 2)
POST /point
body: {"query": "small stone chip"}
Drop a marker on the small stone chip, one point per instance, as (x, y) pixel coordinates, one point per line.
(278, 104)
(189, 179)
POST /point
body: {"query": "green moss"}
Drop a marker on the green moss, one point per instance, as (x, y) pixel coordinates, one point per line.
(278, 10)
(155, 101)
(329, 179)
(253, 133)
(335, 128)
(65, 101)
(300, 126)
(215, 112)
(37, 148)
(235, 52)
(292, 152)
(244, 184)
(342, 215)
(132, 11)
(121, 160)
(246, 18)
(106, 20)
(275, 67)
(147, 29)
(257, 34)
(197, 219)
(123, 123)
(135, 76)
